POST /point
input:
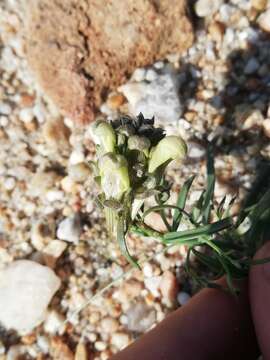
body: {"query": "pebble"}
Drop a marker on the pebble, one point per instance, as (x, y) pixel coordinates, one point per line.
(53, 251)
(120, 340)
(169, 287)
(10, 183)
(139, 74)
(2, 348)
(183, 298)
(266, 127)
(157, 98)
(26, 289)
(70, 229)
(53, 322)
(264, 21)
(79, 172)
(259, 5)
(196, 151)
(153, 285)
(140, 317)
(76, 157)
(5, 109)
(252, 66)
(115, 101)
(205, 8)
(100, 345)
(56, 133)
(109, 325)
(41, 182)
(59, 350)
(43, 343)
(26, 115)
(42, 232)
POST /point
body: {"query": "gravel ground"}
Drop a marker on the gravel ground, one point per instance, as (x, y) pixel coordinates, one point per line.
(47, 193)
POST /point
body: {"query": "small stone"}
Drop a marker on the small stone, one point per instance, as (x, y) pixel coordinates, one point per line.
(115, 101)
(266, 127)
(79, 172)
(53, 251)
(153, 285)
(205, 8)
(252, 66)
(56, 133)
(81, 352)
(120, 340)
(100, 345)
(139, 75)
(76, 157)
(60, 350)
(70, 229)
(157, 98)
(43, 343)
(109, 325)
(216, 30)
(53, 322)
(169, 287)
(5, 109)
(151, 75)
(10, 183)
(264, 20)
(26, 115)
(183, 298)
(54, 195)
(196, 151)
(41, 182)
(69, 185)
(16, 352)
(42, 232)
(255, 119)
(26, 289)
(140, 317)
(259, 5)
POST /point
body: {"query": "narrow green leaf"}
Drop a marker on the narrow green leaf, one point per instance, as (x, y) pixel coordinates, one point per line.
(208, 199)
(197, 208)
(220, 209)
(192, 234)
(181, 202)
(123, 245)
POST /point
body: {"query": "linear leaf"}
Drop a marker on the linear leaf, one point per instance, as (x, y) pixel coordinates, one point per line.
(200, 231)
(181, 202)
(208, 199)
(123, 245)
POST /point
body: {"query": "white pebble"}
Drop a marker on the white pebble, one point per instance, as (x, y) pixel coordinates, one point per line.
(264, 21)
(139, 74)
(183, 297)
(10, 183)
(151, 75)
(100, 345)
(26, 115)
(54, 195)
(69, 229)
(5, 109)
(53, 322)
(76, 157)
(120, 340)
(26, 289)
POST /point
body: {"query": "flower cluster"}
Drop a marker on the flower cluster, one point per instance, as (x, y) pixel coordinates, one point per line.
(131, 159)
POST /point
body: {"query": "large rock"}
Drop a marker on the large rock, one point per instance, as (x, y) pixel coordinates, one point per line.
(80, 49)
(26, 289)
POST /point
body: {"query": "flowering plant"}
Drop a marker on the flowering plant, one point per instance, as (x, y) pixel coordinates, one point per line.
(132, 156)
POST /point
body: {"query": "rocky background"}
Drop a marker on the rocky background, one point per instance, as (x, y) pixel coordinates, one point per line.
(201, 67)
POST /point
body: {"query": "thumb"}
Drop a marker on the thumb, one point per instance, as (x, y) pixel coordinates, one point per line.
(259, 293)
